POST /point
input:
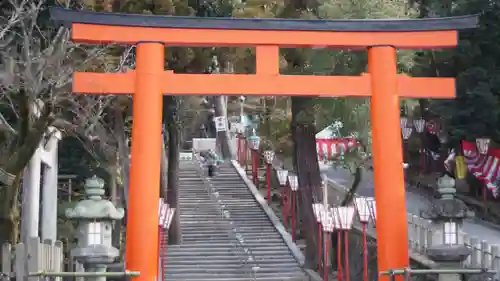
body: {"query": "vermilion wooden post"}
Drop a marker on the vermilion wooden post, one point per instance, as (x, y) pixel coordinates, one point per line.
(392, 242)
(142, 255)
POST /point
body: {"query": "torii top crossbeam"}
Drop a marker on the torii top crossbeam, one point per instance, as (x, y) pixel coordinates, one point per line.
(149, 81)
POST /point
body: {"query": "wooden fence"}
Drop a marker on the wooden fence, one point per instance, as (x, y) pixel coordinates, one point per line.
(25, 260)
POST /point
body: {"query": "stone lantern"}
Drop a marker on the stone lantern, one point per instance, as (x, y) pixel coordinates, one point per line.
(95, 217)
(447, 215)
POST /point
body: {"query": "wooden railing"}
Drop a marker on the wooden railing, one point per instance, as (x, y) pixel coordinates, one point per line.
(23, 260)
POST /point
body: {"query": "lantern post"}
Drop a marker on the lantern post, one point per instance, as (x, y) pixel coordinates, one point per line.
(293, 180)
(268, 158)
(282, 178)
(327, 220)
(363, 210)
(318, 210)
(344, 218)
(406, 133)
(483, 146)
(254, 143)
(419, 125)
(372, 207)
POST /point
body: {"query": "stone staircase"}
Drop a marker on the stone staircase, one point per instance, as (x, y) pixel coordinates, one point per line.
(228, 234)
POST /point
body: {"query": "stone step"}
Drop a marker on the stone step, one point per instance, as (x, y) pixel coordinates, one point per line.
(210, 249)
(219, 247)
(222, 252)
(230, 256)
(209, 228)
(233, 277)
(233, 271)
(263, 267)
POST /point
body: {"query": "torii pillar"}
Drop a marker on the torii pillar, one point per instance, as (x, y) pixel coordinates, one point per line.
(150, 81)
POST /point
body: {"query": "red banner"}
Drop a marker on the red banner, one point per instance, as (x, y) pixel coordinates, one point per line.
(330, 148)
(485, 167)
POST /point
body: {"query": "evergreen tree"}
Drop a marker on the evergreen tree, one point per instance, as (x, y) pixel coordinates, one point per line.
(475, 63)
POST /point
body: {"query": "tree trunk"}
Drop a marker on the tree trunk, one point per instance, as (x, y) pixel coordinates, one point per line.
(303, 134)
(220, 106)
(267, 119)
(29, 141)
(112, 170)
(164, 170)
(123, 163)
(173, 171)
(9, 212)
(32, 130)
(223, 138)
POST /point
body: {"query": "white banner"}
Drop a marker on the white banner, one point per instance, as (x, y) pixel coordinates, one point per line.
(220, 123)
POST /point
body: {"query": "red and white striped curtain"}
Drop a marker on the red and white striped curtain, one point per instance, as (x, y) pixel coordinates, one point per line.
(330, 148)
(484, 167)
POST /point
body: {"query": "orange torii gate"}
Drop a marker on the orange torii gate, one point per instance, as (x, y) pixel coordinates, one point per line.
(149, 81)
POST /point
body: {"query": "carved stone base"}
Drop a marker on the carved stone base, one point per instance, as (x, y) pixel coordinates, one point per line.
(448, 253)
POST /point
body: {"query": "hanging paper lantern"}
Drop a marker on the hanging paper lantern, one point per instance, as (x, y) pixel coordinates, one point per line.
(483, 144)
(403, 122)
(269, 156)
(406, 133)
(419, 125)
(293, 180)
(282, 176)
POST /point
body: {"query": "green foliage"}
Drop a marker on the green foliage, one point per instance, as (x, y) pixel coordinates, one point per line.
(363, 9)
(475, 112)
(353, 113)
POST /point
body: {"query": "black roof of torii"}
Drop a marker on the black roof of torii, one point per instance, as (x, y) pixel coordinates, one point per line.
(66, 17)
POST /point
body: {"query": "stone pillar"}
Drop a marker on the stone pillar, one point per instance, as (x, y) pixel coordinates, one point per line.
(31, 191)
(31, 197)
(95, 217)
(31, 187)
(49, 189)
(447, 215)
